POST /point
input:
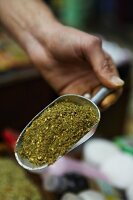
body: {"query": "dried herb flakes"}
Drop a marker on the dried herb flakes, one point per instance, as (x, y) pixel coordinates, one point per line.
(55, 131)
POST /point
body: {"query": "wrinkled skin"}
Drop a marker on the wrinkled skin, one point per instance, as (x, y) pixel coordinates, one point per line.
(71, 61)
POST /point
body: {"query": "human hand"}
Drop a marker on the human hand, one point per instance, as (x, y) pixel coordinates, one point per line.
(70, 60)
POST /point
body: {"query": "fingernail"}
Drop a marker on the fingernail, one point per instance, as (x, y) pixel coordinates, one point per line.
(117, 81)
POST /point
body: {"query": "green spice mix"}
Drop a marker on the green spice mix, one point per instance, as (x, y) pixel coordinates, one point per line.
(55, 131)
(14, 185)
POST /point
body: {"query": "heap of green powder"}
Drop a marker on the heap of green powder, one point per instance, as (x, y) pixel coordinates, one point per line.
(14, 185)
(55, 131)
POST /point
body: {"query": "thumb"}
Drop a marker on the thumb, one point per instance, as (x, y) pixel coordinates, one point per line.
(103, 65)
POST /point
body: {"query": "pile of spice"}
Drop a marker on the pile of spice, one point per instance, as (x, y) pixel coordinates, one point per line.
(14, 185)
(55, 131)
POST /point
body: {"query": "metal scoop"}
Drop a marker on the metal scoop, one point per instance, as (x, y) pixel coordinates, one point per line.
(80, 100)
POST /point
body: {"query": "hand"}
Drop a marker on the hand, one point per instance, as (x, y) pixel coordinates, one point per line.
(70, 60)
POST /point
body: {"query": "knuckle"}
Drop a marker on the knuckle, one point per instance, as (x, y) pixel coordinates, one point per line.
(96, 41)
(108, 65)
(93, 44)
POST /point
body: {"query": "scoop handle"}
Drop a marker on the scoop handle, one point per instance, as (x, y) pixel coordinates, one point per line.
(100, 95)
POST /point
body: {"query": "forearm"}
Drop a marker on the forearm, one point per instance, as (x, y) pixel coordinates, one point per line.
(22, 17)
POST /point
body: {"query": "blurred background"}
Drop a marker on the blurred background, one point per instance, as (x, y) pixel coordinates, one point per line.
(23, 93)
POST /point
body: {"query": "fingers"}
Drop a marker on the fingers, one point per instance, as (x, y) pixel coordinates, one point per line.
(81, 85)
(102, 64)
(108, 100)
(107, 74)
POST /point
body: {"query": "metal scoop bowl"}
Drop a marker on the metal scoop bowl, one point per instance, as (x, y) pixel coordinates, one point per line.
(77, 99)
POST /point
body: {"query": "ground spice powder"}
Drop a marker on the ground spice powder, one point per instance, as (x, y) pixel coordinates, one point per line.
(55, 131)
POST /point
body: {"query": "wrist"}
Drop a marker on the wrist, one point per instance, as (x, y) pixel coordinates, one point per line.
(32, 17)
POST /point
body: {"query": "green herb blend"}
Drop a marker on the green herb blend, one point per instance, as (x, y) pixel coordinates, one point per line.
(14, 184)
(55, 131)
